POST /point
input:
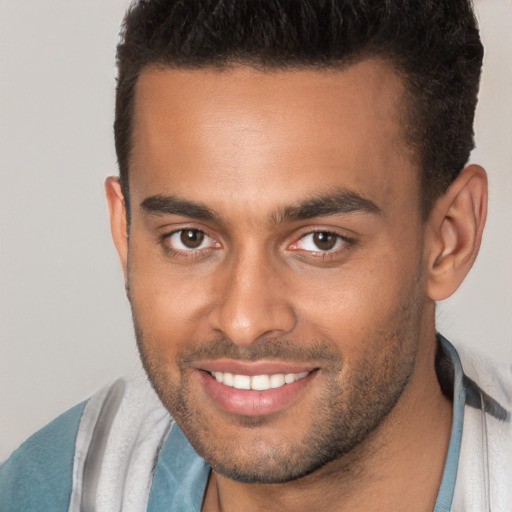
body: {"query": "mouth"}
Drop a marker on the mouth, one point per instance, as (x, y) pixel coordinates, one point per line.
(254, 389)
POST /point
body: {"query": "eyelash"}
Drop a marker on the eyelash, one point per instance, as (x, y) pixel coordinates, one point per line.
(342, 244)
(341, 240)
(190, 252)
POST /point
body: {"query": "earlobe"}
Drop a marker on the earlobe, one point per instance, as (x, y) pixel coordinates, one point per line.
(455, 231)
(118, 221)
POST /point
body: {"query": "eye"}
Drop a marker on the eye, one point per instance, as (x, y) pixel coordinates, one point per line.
(319, 241)
(189, 240)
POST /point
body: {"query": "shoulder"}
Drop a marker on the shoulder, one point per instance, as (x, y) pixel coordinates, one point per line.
(81, 454)
(38, 475)
(493, 377)
(120, 435)
(485, 462)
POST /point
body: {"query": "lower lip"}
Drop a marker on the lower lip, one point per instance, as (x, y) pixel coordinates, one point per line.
(252, 402)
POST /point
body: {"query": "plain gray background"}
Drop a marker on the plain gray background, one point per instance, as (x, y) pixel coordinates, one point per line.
(65, 327)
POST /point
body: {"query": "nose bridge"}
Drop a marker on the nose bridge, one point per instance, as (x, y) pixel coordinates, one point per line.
(251, 302)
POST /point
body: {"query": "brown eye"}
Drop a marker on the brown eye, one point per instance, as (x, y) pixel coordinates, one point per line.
(188, 242)
(191, 238)
(325, 241)
(320, 242)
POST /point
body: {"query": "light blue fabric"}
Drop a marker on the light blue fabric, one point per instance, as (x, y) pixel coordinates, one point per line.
(180, 477)
(38, 475)
(447, 487)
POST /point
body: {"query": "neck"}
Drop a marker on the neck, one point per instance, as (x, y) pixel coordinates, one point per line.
(398, 467)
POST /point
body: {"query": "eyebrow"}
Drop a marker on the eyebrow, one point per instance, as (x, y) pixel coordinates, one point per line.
(170, 205)
(339, 201)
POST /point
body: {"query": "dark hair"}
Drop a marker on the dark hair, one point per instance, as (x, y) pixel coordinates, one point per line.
(433, 45)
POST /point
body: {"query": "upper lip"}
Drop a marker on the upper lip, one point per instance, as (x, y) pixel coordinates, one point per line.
(252, 368)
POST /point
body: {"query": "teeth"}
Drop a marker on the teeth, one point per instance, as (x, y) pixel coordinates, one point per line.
(277, 380)
(260, 382)
(289, 378)
(226, 378)
(257, 382)
(241, 381)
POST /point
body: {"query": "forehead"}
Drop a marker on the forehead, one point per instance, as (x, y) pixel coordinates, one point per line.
(239, 129)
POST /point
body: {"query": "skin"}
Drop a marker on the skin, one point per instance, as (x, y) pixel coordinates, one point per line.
(370, 427)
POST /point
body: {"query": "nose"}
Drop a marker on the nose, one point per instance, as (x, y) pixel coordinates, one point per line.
(251, 302)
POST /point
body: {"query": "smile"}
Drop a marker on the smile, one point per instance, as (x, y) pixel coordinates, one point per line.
(254, 389)
(257, 382)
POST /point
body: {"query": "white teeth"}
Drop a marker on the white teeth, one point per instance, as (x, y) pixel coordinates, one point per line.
(257, 382)
(277, 380)
(260, 382)
(289, 378)
(241, 381)
(226, 378)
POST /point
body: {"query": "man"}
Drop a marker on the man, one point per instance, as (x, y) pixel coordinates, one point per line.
(292, 201)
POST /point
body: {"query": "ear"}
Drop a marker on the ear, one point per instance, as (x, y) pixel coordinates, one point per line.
(455, 229)
(118, 222)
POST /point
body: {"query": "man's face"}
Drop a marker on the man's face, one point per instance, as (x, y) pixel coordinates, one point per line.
(276, 245)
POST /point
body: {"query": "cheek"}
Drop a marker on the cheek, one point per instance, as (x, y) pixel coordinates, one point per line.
(167, 305)
(358, 302)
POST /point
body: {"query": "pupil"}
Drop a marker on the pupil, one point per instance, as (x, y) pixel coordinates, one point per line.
(324, 241)
(192, 238)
